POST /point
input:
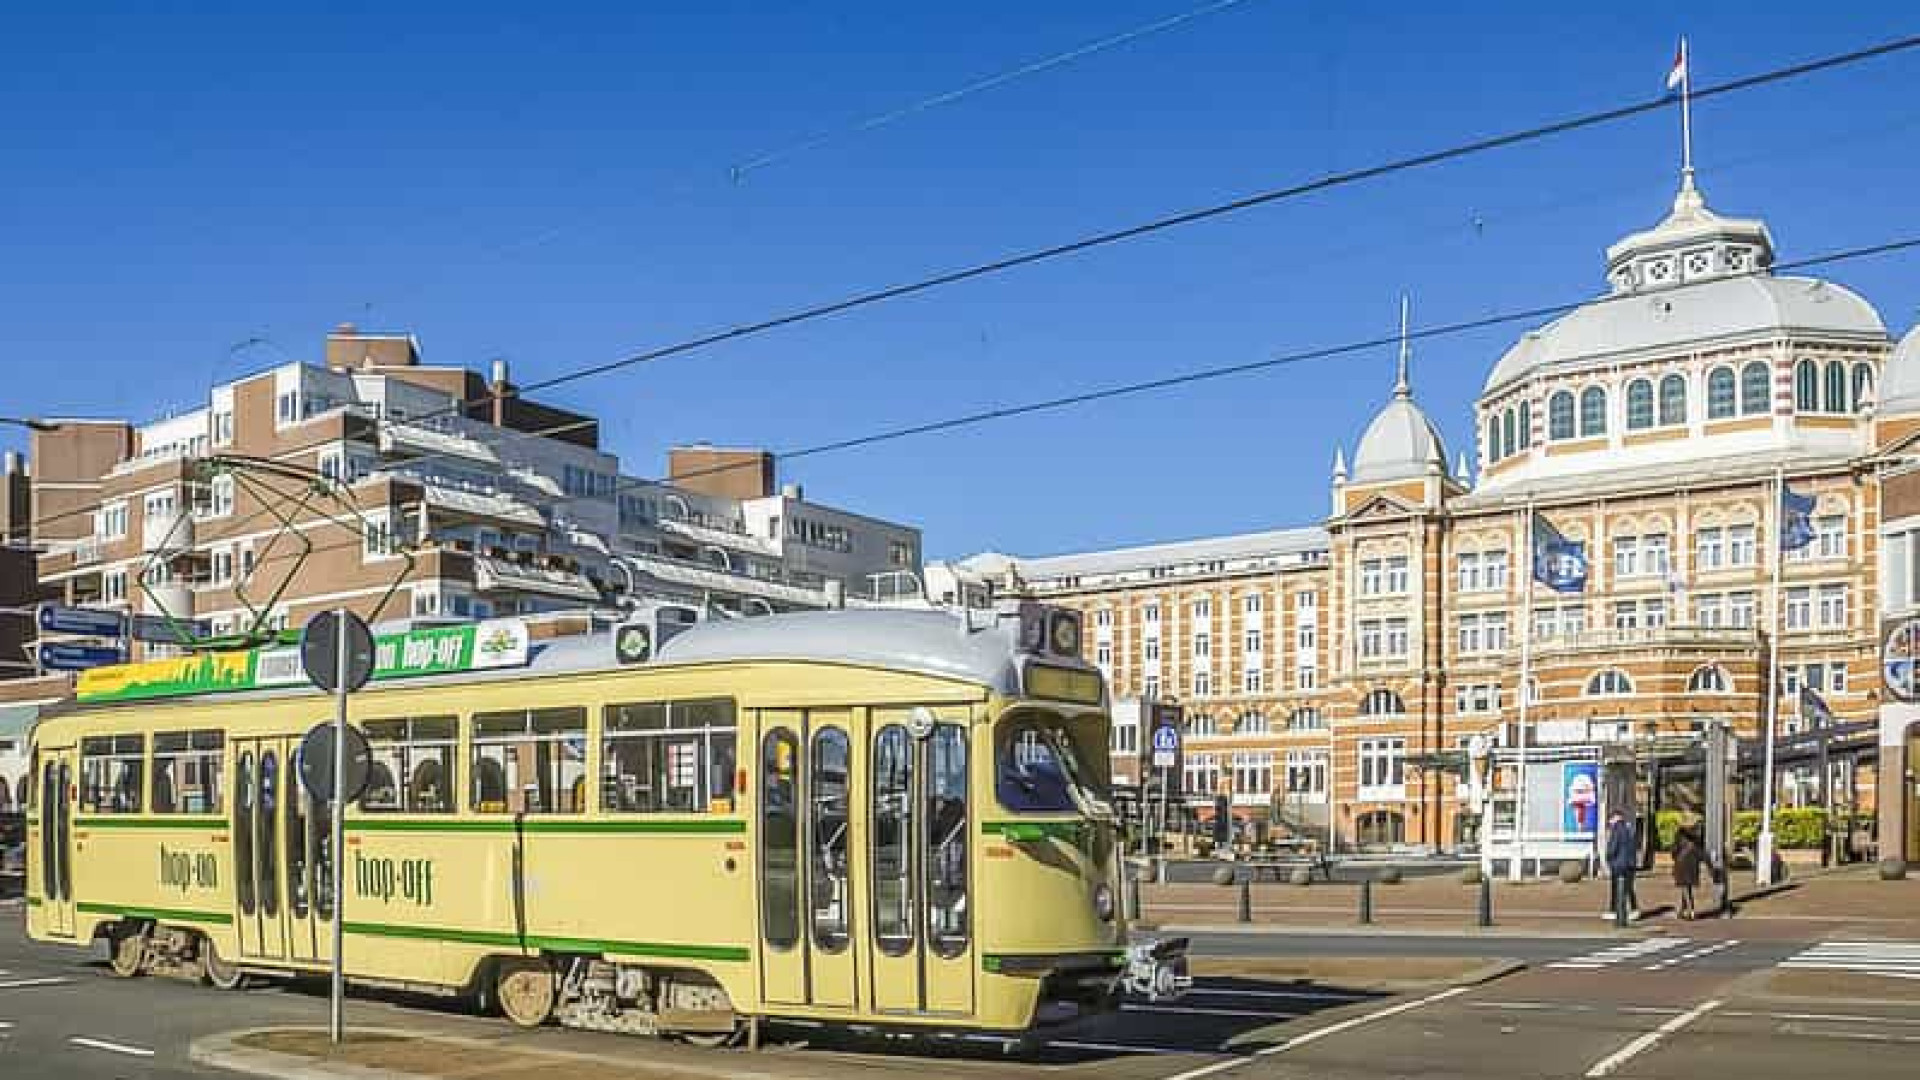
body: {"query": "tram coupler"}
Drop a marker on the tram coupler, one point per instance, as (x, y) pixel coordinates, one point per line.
(1157, 970)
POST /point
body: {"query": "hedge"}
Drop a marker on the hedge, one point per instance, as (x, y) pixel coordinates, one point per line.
(1793, 827)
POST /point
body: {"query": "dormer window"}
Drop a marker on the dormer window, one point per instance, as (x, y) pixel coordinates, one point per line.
(1739, 259)
(1659, 271)
(1699, 263)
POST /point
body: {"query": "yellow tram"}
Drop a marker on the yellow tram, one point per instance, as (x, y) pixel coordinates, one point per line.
(875, 817)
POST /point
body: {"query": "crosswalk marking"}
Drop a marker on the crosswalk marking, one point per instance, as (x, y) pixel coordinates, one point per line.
(1624, 953)
(1703, 951)
(1890, 959)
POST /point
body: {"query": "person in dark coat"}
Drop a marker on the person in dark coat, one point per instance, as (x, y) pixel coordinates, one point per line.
(1688, 854)
(1623, 861)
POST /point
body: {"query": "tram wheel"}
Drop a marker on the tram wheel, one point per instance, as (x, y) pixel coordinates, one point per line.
(525, 990)
(217, 972)
(127, 951)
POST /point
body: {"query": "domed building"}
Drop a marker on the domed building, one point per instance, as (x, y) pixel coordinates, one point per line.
(1331, 675)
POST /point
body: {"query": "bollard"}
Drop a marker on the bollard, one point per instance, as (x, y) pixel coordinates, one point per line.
(1619, 904)
(1133, 897)
(1366, 901)
(1486, 901)
(1160, 870)
(1246, 899)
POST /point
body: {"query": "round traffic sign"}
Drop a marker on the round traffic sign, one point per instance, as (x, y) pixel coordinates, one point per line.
(316, 762)
(1166, 737)
(320, 650)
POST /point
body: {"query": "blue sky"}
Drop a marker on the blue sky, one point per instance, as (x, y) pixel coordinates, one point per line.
(550, 184)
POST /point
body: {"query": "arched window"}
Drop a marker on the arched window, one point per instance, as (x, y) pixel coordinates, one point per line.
(1609, 682)
(1560, 415)
(1673, 399)
(1382, 703)
(1593, 412)
(1837, 387)
(1493, 438)
(1709, 679)
(1202, 723)
(1306, 720)
(1720, 394)
(1806, 386)
(1526, 425)
(1380, 828)
(1508, 436)
(1251, 722)
(1639, 405)
(1533, 690)
(1862, 384)
(1756, 387)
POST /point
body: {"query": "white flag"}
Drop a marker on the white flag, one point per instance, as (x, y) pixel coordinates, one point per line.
(1678, 75)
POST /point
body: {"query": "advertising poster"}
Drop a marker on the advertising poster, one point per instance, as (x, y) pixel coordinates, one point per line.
(1580, 797)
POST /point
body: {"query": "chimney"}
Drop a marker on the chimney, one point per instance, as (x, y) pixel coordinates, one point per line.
(12, 463)
(499, 389)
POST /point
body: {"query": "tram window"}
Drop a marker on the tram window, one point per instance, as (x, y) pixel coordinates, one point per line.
(187, 772)
(780, 840)
(110, 768)
(1040, 769)
(669, 757)
(893, 890)
(947, 839)
(530, 761)
(243, 833)
(298, 864)
(413, 768)
(267, 854)
(827, 832)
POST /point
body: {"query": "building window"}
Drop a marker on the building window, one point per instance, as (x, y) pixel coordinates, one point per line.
(1150, 650)
(1202, 774)
(1370, 577)
(1383, 768)
(1103, 654)
(1709, 549)
(1862, 384)
(1673, 399)
(113, 586)
(1639, 405)
(1253, 774)
(1251, 722)
(220, 566)
(1202, 684)
(223, 427)
(1252, 681)
(1709, 679)
(1609, 682)
(1150, 687)
(1150, 614)
(1593, 412)
(112, 521)
(1124, 735)
(1397, 575)
(1103, 619)
(1552, 622)
(1252, 641)
(1482, 633)
(1740, 545)
(1560, 415)
(1202, 723)
(1252, 604)
(1829, 540)
(1493, 438)
(1721, 402)
(1756, 387)
(1306, 678)
(1306, 774)
(1806, 386)
(1380, 828)
(1832, 606)
(1508, 434)
(1202, 646)
(1526, 425)
(377, 536)
(1837, 387)
(1202, 611)
(1382, 703)
(1306, 719)
(1477, 698)
(287, 408)
(1740, 610)
(1799, 608)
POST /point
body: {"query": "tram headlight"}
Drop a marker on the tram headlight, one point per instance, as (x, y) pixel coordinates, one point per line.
(1103, 902)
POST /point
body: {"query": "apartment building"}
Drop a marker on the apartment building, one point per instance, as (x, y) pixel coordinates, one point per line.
(1327, 671)
(442, 494)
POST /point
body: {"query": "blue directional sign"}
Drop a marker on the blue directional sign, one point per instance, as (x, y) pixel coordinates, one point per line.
(1166, 746)
(92, 622)
(164, 631)
(62, 656)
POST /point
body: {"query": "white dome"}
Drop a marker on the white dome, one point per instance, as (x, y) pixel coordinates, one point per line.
(1900, 380)
(1727, 309)
(1398, 445)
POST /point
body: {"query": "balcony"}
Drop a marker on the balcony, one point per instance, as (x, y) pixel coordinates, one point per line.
(490, 574)
(168, 532)
(699, 576)
(1648, 637)
(399, 436)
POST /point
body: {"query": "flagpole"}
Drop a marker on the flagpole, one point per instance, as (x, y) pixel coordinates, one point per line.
(1526, 676)
(1763, 855)
(1686, 109)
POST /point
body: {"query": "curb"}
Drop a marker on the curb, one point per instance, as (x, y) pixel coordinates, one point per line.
(1358, 930)
(224, 1052)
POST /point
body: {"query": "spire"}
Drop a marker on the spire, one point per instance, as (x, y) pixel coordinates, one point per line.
(1401, 389)
(1460, 471)
(1340, 464)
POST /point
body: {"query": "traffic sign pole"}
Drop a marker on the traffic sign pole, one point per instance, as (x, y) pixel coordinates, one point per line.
(336, 1013)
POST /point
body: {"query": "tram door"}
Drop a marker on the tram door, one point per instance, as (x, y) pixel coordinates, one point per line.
(282, 875)
(918, 857)
(57, 794)
(806, 843)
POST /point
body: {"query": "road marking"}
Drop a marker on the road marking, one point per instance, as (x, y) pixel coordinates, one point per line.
(1318, 1034)
(1116, 1048)
(28, 984)
(1343, 995)
(1648, 1041)
(1626, 953)
(1858, 1036)
(110, 1047)
(1192, 1010)
(1694, 955)
(1831, 1018)
(1889, 959)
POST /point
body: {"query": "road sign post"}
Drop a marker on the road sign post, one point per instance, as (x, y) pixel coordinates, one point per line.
(337, 652)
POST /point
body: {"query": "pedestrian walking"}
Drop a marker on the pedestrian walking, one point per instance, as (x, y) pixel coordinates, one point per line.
(1623, 861)
(1688, 855)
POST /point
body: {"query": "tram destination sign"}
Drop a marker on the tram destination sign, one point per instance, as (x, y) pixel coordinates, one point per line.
(440, 650)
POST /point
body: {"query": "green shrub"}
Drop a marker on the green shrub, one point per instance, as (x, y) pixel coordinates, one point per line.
(1666, 827)
(1797, 827)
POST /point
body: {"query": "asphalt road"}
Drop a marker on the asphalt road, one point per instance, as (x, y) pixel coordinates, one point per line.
(1676, 1006)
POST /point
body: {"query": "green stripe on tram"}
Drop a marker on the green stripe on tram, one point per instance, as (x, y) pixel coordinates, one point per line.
(668, 950)
(696, 826)
(33, 901)
(87, 907)
(1029, 831)
(189, 821)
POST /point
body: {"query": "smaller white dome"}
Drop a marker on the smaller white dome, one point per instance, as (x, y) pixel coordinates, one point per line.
(1900, 380)
(1398, 445)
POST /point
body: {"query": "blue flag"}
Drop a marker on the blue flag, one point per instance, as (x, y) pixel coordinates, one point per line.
(1813, 708)
(1796, 519)
(1558, 563)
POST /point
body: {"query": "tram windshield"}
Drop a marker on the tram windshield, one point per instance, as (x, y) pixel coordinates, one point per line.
(1043, 768)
